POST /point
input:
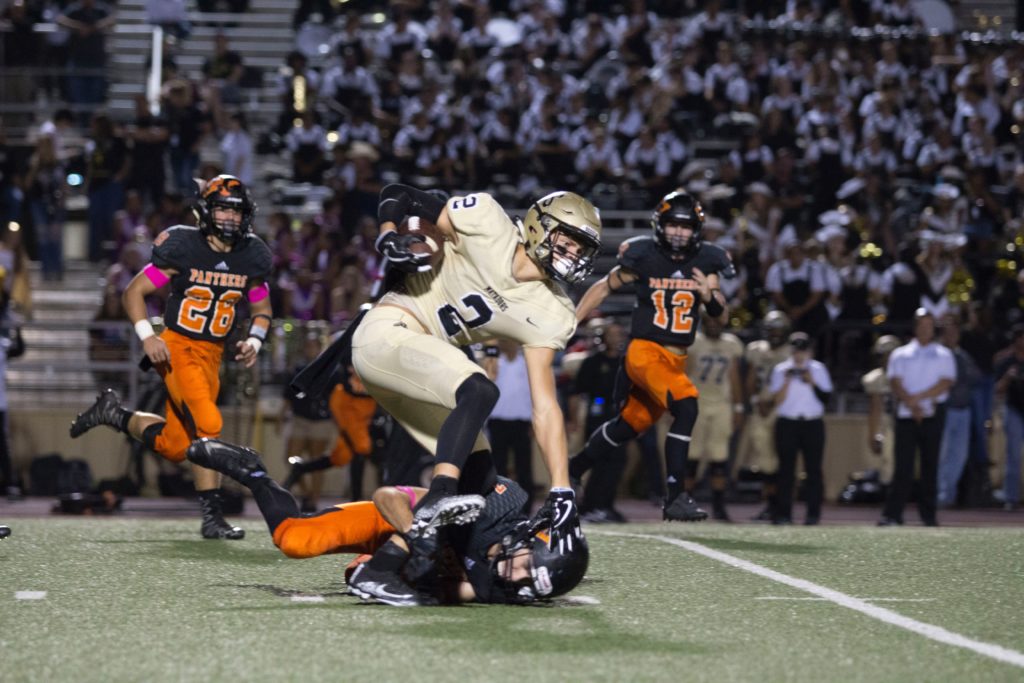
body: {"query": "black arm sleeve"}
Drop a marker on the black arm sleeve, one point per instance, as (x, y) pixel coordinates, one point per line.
(401, 199)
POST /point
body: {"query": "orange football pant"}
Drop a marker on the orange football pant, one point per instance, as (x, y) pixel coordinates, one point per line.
(193, 382)
(353, 414)
(658, 376)
(347, 528)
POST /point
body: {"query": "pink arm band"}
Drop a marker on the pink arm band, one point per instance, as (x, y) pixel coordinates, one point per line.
(155, 275)
(259, 293)
(407, 490)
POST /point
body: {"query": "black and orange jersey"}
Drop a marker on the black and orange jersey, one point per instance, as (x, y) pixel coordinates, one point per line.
(208, 284)
(667, 302)
(502, 513)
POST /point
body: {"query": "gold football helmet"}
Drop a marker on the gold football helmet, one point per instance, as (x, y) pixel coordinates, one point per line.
(563, 214)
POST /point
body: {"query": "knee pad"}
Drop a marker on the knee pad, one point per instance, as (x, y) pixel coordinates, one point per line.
(150, 433)
(478, 390)
(614, 433)
(684, 414)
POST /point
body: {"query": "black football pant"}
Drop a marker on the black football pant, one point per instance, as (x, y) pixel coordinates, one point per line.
(806, 437)
(911, 438)
(513, 437)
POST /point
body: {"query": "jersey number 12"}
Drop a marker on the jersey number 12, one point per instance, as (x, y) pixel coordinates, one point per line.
(680, 305)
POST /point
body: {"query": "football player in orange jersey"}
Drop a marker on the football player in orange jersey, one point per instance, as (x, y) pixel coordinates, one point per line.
(209, 269)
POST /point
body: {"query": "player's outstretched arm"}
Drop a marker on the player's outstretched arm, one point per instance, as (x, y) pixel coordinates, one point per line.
(262, 313)
(548, 422)
(146, 282)
(600, 290)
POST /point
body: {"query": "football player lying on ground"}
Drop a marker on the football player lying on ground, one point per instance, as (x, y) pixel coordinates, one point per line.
(489, 551)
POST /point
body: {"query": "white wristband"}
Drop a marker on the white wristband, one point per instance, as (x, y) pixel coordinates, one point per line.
(255, 343)
(144, 329)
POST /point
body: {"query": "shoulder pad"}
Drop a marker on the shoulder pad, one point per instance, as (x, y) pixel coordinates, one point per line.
(171, 247)
(719, 261)
(260, 256)
(633, 251)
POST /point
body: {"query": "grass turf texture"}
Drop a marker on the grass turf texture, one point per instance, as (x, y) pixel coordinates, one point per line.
(145, 600)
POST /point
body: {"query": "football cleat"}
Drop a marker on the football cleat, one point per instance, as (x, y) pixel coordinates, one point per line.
(387, 588)
(237, 462)
(448, 511)
(296, 472)
(5, 531)
(214, 524)
(422, 558)
(105, 411)
(683, 508)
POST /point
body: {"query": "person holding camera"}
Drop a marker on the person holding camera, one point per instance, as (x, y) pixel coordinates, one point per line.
(800, 387)
(921, 374)
(1010, 371)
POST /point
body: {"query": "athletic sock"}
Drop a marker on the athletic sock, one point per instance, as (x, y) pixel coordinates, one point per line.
(275, 503)
(441, 486)
(121, 421)
(388, 558)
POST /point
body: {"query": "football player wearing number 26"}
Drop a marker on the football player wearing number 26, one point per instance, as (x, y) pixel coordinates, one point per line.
(498, 280)
(209, 269)
(674, 272)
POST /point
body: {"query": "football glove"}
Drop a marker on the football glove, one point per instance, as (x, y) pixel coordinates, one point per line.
(561, 517)
(398, 250)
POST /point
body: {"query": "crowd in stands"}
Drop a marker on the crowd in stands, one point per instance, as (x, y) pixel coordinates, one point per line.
(883, 167)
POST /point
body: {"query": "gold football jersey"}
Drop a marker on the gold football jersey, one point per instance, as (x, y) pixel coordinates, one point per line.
(473, 296)
(708, 366)
(761, 358)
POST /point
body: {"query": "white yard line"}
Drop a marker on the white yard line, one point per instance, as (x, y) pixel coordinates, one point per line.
(307, 598)
(30, 595)
(936, 633)
(782, 597)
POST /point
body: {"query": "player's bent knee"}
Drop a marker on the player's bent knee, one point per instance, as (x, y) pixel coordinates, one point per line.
(209, 423)
(685, 412)
(295, 541)
(478, 390)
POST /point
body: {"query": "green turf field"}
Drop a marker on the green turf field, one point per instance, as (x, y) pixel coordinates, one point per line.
(145, 600)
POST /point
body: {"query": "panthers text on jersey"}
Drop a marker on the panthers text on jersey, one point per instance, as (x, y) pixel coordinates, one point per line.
(708, 366)
(667, 308)
(208, 284)
(761, 358)
(473, 295)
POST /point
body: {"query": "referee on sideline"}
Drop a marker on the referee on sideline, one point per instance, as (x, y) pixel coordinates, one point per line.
(800, 386)
(921, 374)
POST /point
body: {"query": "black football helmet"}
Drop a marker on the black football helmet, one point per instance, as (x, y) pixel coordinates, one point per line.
(228, 192)
(551, 573)
(678, 207)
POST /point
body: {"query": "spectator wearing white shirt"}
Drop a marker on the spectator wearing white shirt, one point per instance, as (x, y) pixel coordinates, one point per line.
(599, 161)
(921, 374)
(509, 425)
(800, 387)
(237, 148)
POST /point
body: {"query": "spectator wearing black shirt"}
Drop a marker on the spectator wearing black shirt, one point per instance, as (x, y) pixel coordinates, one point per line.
(595, 384)
(149, 137)
(185, 125)
(1010, 371)
(108, 167)
(88, 21)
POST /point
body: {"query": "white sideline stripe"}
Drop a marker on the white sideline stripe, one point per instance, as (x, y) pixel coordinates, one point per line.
(930, 631)
(29, 595)
(582, 600)
(307, 598)
(782, 597)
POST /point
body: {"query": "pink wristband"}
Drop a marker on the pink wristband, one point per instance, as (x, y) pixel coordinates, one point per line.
(407, 490)
(155, 275)
(259, 293)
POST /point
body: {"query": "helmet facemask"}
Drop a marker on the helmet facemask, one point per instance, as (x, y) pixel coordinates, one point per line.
(678, 208)
(226, 192)
(562, 234)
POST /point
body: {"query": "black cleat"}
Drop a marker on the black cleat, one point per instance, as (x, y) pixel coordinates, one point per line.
(237, 462)
(5, 531)
(448, 511)
(422, 558)
(889, 521)
(384, 587)
(106, 410)
(296, 472)
(683, 508)
(215, 526)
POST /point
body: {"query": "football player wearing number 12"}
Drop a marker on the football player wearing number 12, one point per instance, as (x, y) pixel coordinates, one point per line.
(674, 272)
(209, 269)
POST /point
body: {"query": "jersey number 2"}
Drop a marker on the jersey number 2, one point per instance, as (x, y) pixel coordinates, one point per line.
(681, 305)
(198, 300)
(454, 322)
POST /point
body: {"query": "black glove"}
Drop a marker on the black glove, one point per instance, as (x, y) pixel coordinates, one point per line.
(561, 517)
(397, 249)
